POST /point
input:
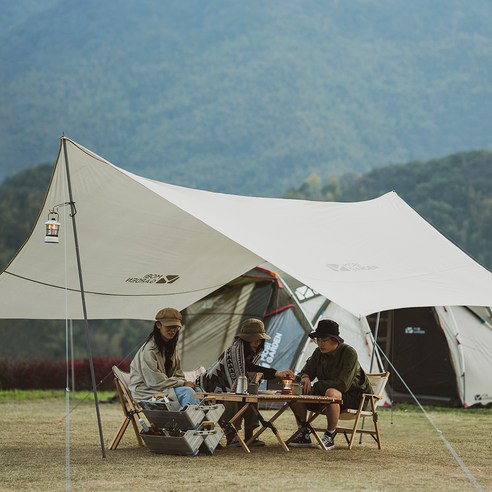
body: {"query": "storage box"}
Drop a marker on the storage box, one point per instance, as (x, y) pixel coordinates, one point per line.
(213, 412)
(184, 419)
(163, 404)
(188, 444)
(211, 439)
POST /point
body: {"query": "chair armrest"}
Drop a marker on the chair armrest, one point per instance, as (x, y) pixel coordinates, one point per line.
(370, 395)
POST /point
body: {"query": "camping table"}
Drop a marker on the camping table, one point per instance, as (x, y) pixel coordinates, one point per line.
(250, 401)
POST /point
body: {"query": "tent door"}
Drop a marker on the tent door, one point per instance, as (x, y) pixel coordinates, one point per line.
(415, 343)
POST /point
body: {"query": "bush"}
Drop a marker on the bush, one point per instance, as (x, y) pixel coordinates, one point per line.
(44, 374)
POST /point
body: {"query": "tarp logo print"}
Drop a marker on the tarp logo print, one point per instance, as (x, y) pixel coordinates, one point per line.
(153, 278)
(350, 267)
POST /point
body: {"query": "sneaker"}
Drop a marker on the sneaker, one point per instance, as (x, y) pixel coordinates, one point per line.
(257, 443)
(233, 443)
(301, 439)
(328, 440)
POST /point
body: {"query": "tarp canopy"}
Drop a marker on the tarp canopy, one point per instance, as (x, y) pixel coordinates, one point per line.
(146, 244)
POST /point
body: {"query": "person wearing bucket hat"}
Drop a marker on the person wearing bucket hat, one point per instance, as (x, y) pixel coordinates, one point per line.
(156, 367)
(336, 367)
(239, 359)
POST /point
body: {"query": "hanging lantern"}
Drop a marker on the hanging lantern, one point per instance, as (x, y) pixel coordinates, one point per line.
(52, 228)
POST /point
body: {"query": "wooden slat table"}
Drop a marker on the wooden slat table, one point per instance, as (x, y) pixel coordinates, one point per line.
(250, 401)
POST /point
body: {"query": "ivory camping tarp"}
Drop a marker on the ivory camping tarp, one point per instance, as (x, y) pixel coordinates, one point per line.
(146, 244)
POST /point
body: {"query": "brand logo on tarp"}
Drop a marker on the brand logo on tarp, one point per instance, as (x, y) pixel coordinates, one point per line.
(414, 330)
(350, 267)
(153, 278)
(483, 397)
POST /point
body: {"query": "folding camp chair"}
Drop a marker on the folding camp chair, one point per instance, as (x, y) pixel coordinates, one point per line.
(355, 416)
(378, 383)
(129, 406)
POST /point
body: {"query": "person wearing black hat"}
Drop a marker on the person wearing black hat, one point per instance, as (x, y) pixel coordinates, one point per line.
(336, 367)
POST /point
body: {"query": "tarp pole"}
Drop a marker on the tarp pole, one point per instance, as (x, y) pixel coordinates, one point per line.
(376, 329)
(82, 294)
(73, 356)
(462, 355)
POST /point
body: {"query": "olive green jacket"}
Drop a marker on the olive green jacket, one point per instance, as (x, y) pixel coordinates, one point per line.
(339, 369)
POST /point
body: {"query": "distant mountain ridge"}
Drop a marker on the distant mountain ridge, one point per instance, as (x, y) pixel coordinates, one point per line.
(245, 97)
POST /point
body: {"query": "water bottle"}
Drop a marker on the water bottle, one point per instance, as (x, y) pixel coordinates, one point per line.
(144, 425)
(242, 385)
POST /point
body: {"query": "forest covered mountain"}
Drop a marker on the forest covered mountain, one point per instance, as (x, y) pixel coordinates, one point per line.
(453, 193)
(249, 96)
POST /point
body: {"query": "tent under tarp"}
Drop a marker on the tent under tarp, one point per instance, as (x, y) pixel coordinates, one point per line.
(146, 244)
(442, 353)
(211, 323)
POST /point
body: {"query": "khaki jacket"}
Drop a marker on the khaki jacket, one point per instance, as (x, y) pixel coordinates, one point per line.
(148, 376)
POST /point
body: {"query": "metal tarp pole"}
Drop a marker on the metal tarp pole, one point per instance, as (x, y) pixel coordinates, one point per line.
(82, 294)
(376, 330)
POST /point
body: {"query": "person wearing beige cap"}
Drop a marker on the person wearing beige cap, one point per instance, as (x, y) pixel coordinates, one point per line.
(156, 367)
(239, 359)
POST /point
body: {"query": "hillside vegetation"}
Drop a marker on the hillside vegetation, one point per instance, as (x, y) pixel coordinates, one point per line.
(245, 97)
(453, 193)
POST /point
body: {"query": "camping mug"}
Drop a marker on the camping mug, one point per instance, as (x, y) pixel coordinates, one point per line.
(253, 388)
(297, 389)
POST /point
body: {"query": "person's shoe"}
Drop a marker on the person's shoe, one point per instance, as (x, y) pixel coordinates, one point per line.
(248, 434)
(256, 443)
(301, 439)
(233, 442)
(328, 440)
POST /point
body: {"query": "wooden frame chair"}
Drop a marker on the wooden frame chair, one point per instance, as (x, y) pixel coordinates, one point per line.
(129, 406)
(357, 415)
(353, 417)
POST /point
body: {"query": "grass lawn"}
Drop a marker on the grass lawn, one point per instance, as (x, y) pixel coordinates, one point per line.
(33, 454)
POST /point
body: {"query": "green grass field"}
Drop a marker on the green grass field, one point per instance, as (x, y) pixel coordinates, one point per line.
(33, 454)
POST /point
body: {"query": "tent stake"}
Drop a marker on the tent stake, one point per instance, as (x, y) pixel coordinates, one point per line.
(82, 294)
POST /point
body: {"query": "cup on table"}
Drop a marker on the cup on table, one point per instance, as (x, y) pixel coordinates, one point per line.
(297, 389)
(253, 388)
